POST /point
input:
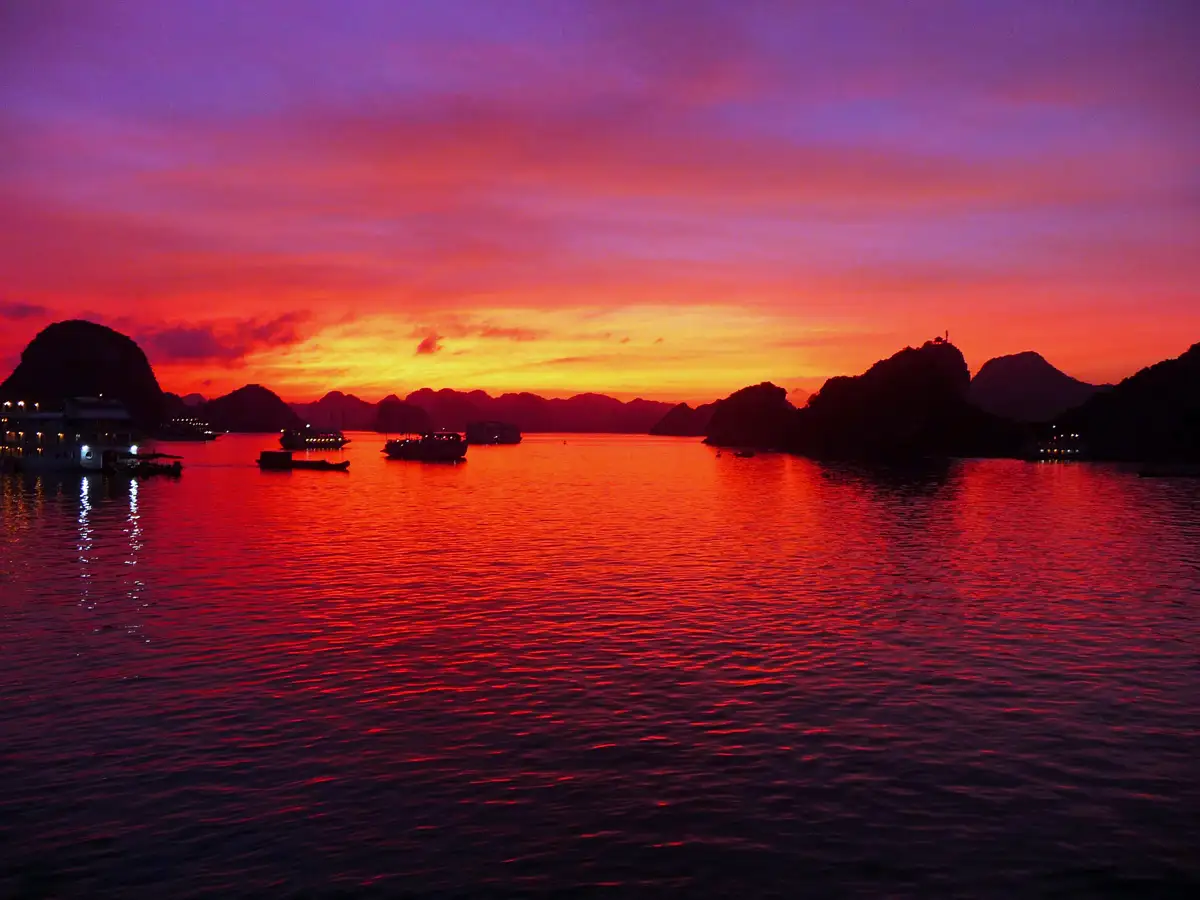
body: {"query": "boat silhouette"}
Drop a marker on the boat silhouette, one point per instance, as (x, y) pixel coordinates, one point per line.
(436, 446)
(282, 461)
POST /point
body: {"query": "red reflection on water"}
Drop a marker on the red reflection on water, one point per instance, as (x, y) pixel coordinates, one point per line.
(631, 638)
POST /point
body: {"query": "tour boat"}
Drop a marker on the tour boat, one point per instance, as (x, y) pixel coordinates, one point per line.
(492, 433)
(1061, 446)
(437, 446)
(86, 435)
(282, 460)
(309, 439)
(186, 428)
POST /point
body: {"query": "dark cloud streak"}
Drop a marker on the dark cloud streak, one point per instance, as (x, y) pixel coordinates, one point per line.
(227, 343)
(432, 343)
(14, 311)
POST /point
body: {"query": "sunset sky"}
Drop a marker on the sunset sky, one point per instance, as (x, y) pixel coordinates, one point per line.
(664, 199)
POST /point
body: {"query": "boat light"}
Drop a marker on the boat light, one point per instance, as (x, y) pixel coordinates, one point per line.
(86, 449)
(133, 449)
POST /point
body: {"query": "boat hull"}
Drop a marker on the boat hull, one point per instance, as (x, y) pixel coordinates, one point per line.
(318, 465)
(416, 454)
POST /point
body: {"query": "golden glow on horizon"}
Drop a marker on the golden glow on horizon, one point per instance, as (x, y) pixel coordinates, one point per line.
(674, 353)
(693, 354)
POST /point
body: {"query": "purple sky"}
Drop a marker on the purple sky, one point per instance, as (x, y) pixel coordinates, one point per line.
(680, 198)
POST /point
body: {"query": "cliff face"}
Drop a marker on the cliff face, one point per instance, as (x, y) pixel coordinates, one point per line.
(252, 408)
(82, 359)
(1025, 388)
(757, 416)
(913, 404)
(395, 416)
(1152, 415)
(683, 421)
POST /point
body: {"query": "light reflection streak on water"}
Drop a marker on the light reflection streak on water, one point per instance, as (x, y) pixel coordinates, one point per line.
(134, 594)
(85, 539)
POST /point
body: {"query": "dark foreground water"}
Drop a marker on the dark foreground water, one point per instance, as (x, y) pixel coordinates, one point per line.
(621, 665)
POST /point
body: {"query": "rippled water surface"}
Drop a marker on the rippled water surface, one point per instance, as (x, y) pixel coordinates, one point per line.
(625, 664)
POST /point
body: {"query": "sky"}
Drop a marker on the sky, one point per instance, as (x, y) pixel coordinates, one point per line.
(660, 199)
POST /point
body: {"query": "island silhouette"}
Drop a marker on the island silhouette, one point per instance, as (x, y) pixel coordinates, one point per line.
(919, 403)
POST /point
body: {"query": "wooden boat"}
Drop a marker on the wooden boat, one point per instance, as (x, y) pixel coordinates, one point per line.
(282, 461)
(437, 446)
(145, 465)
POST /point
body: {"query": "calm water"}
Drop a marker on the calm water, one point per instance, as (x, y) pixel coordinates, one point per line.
(619, 663)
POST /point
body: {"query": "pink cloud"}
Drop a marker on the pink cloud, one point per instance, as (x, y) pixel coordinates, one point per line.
(224, 343)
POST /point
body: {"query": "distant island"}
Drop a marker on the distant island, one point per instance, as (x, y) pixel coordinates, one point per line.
(454, 410)
(920, 402)
(82, 359)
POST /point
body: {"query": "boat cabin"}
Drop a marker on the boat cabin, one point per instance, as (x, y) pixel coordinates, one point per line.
(87, 433)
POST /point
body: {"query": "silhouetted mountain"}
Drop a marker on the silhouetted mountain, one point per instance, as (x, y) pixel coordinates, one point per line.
(193, 399)
(82, 359)
(639, 415)
(398, 417)
(450, 410)
(530, 413)
(173, 406)
(527, 412)
(913, 404)
(1153, 415)
(683, 421)
(338, 412)
(1025, 388)
(757, 416)
(250, 408)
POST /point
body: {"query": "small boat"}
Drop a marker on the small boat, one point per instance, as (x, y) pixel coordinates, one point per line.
(145, 465)
(492, 433)
(437, 446)
(743, 454)
(282, 461)
(1170, 470)
(309, 439)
